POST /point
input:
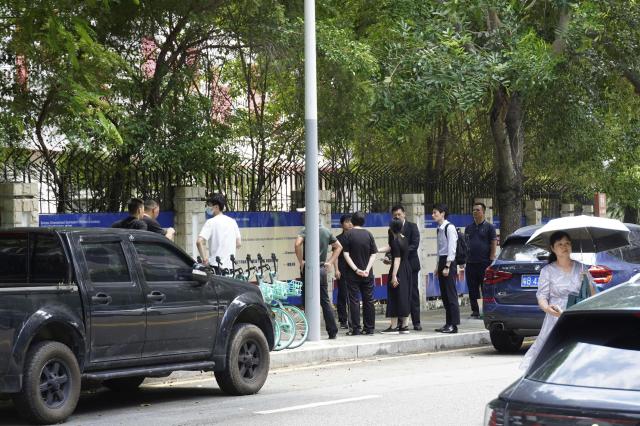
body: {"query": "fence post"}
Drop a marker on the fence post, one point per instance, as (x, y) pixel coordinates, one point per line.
(414, 209)
(587, 210)
(19, 205)
(533, 212)
(188, 204)
(324, 197)
(567, 210)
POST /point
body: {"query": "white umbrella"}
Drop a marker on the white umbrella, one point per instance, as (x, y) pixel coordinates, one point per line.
(587, 233)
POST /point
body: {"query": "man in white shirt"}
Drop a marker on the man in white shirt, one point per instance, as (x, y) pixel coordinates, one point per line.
(447, 268)
(221, 234)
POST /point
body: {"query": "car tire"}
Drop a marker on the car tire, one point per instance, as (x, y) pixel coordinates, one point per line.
(51, 384)
(505, 341)
(247, 361)
(124, 384)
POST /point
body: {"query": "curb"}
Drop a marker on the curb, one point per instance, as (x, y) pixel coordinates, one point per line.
(319, 352)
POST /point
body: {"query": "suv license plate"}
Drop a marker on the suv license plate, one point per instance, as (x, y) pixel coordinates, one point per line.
(529, 281)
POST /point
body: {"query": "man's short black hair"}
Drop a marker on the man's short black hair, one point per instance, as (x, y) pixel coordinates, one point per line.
(484, 208)
(397, 207)
(134, 205)
(150, 205)
(442, 208)
(218, 200)
(345, 218)
(357, 219)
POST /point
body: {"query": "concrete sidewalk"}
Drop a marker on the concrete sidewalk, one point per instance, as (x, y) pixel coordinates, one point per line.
(471, 332)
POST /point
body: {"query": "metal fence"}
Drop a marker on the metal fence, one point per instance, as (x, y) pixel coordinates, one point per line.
(80, 181)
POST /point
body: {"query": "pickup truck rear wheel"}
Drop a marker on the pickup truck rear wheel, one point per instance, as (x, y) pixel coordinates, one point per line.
(124, 384)
(247, 361)
(51, 386)
(505, 341)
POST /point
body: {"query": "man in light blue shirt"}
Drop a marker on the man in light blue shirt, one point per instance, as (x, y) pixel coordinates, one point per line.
(447, 268)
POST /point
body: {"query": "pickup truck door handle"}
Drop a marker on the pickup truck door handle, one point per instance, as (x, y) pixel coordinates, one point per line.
(101, 299)
(156, 296)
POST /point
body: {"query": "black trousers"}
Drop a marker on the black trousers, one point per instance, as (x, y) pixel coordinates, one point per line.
(325, 302)
(448, 291)
(343, 300)
(362, 289)
(415, 298)
(474, 273)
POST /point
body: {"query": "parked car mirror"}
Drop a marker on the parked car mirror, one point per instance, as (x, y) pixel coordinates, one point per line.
(200, 276)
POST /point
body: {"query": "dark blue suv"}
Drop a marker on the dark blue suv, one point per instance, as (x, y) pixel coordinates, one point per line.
(511, 310)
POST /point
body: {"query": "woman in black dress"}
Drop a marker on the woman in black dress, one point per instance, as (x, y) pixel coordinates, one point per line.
(399, 285)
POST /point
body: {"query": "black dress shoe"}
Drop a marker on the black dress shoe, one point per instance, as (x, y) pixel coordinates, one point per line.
(451, 329)
(439, 330)
(417, 327)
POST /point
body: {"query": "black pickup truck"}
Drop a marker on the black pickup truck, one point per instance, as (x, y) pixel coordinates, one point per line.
(117, 306)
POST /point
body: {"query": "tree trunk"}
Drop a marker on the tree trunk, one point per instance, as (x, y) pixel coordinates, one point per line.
(506, 120)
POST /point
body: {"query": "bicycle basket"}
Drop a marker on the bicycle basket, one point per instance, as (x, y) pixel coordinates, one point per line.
(267, 292)
(295, 288)
(279, 290)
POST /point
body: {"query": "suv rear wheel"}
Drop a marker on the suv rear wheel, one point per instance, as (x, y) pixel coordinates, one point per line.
(51, 386)
(247, 361)
(505, 341)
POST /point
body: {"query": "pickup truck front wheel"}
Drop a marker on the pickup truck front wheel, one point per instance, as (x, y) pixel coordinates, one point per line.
(247, 361)
(51, 385)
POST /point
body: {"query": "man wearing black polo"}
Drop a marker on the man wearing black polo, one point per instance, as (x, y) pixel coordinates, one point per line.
(151, 213)
(134, 220)
(482, 240)
(360, 253)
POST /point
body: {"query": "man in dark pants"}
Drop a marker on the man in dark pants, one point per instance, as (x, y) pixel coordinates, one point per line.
(341, 274)
(446, 269)
(326, 239)
(360, 253)
(412, 234)
(134, 220)
(481, 236)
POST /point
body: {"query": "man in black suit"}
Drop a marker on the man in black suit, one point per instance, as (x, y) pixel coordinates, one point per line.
(412, 234)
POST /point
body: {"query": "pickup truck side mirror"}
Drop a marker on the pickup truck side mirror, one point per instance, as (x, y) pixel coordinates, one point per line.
(199, 276)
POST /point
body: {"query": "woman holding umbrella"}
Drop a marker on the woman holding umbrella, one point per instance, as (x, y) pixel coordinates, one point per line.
(558, 279)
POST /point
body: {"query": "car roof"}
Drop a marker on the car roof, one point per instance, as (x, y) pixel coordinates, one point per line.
(528, 231)
(624, 296)
(83, 231)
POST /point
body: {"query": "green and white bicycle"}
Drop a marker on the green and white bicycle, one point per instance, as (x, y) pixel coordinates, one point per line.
(282, 290)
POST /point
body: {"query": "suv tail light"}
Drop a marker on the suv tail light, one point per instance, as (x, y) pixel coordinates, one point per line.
(494, 413)
(494, 276)
(531, 418)
(601, 274)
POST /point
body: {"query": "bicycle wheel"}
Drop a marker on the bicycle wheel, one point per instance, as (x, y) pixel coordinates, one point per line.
(276, 334)
(302, 325)
(287, 328)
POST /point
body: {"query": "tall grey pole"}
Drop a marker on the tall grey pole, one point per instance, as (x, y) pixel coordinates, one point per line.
(312, 215)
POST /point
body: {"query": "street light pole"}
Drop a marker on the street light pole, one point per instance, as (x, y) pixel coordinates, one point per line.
(312, 214)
